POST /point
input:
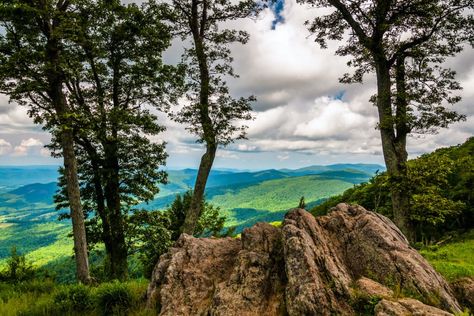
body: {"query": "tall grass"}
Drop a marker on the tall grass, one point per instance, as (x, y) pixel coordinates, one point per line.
(46, 298)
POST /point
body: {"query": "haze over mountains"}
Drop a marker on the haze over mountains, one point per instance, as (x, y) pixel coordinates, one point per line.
(28, 219)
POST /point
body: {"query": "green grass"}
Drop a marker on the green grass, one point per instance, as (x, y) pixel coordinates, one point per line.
(455, 259)
(44, 297)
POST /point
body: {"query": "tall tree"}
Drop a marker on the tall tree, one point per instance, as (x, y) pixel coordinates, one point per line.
(118, 73)
(211, 112)
(404, 43)
(32, 56)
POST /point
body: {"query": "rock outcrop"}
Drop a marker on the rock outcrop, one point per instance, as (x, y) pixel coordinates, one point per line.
(308, 266)
(464, 291)
(407, 306)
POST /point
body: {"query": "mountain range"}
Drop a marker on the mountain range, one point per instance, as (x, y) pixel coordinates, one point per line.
(28, 219)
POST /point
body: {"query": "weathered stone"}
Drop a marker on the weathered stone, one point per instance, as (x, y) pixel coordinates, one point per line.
(407, 307)
(257, 282)
(464, 290)
(189, 274)
(372, 288)
(309, 266)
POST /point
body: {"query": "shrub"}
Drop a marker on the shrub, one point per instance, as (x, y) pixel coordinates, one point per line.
(73, 298)
(17, 269)
(113, 298)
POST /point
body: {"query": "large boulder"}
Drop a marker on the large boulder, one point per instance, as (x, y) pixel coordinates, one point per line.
(308, 266)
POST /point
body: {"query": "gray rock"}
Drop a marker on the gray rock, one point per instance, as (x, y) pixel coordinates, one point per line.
(407, 307)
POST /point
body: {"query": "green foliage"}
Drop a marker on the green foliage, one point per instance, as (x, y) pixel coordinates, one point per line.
(417, 85)
(302, 203)
(440, 186)
(153, 232)
(212, 114)
(75, 297)
(276, 195)
(46, 298)
(114, 298)
(18, 269)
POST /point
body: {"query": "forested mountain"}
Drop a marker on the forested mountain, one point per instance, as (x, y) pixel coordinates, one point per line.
(28, 219)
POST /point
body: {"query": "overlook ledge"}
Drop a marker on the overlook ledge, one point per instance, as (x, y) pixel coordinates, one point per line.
(309, 266)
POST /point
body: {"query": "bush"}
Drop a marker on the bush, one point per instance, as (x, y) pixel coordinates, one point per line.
(17, 269)
(75, 297)
(113, 298)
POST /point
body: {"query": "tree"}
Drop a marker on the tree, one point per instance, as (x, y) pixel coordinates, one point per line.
(210, 112)
(302, 203)
(32, 55)
(118, 73)
(437, 204)
(404, 43)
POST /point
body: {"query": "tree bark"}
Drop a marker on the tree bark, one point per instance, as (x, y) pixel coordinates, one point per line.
(59, 102)
(393, 148)
(77, 215)
(192, 215)
(116, 265)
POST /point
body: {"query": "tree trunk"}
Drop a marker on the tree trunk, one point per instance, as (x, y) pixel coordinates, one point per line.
(192, 215)
(198, 27)
(55, 81)
(77, 215)
(394, 150)
(116, 265)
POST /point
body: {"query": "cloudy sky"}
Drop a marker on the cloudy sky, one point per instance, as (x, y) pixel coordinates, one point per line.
(303, 115)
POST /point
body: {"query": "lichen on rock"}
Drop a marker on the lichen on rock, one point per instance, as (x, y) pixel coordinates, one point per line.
(308, 266)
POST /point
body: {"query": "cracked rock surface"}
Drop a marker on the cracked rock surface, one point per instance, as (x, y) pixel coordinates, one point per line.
(308, 266)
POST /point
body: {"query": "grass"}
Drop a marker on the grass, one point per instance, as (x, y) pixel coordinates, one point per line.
(44, 297)
(455, 259)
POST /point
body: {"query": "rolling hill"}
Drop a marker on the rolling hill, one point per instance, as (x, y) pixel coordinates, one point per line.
(28, 219)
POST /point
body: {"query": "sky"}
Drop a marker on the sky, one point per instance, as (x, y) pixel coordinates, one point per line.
(303, 115)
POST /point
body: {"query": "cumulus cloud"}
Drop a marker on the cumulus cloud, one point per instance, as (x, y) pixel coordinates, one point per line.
(303, 114)
(5, 147)
(28, 146)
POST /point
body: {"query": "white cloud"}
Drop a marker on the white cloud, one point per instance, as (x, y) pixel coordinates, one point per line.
(5, 147)
(284, 156)
(330, 118)
(27, 146)
(297, 113)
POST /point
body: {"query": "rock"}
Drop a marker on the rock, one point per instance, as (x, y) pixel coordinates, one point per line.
(309, 266)
(256, 284)
(407, 307)
(372, 288)
(464, 291)
(190, 272)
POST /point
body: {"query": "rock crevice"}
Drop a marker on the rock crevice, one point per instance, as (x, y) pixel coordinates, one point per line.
(308, 266)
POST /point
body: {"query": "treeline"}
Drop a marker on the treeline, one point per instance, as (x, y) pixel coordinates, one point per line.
(441, 193)
(91, 73)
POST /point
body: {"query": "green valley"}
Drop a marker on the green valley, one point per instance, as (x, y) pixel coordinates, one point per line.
(29, 221)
